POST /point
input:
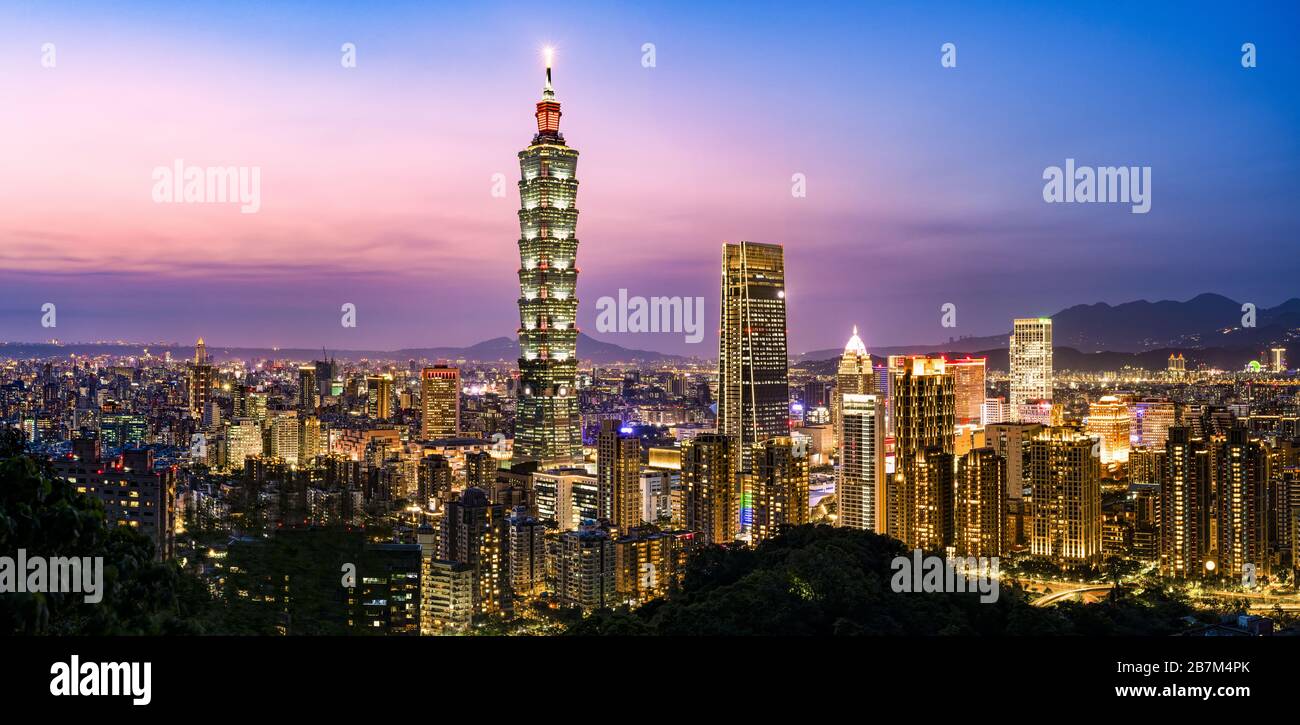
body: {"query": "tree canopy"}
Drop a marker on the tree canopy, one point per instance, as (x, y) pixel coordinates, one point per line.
(46, 516)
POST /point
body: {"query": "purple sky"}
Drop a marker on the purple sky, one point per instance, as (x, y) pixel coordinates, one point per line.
(924, 183)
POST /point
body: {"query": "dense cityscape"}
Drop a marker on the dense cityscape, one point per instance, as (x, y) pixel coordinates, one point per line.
(544, 494)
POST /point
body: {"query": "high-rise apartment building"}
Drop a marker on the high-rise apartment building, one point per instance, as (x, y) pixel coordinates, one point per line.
(481, 470)
(439, 402)
(379, 396)
(778, 480)
(433, 481)
(922, 401)
(308, 389)
(309, 439)
(618, 471)
(860, 481)
(133, 493)
(648, 562)
(243, 439)
(1064, 500)
(709, 483)
(1110, 421)
(979, 512)
(1151, 420)
(1185, 505)
(201, 377)
(527, 554)
(567, 496)
(475, 532)
(968, 375)
(1008, 440)
(753, 375)
(1242, 494)
(446, 589)
(285, 434)
(1031, 363)
(548, 425)
(585, 568)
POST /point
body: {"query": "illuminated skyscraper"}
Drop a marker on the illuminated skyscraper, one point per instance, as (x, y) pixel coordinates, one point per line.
(585, 568)
(243, 439)
(854, 376)
(1008, 440)
(433, 481)
(1185, 506)
(1277, 359)
(446, 588)
(308, 390)
(548, 427)
(860, 485)
(1177, 367)
(753, 385)
(439, 402)
(618, 470)
(1109, 420)
(1064, 501)
(201, 377)
(475, 532)
(527, 554)
(379, 396)
(779, 482)
(1151, 421)
(710, 484)
(1031, 363)
(648, 562)
(968, 389)
(1241, 485)
(309, 439)
(979, 511)
(918, 495)
(285, 434)
(567, 496)
(481, 470)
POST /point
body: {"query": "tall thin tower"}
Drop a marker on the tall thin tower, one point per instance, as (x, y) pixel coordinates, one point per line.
(201, 376)
(753, 384)
(547, 423)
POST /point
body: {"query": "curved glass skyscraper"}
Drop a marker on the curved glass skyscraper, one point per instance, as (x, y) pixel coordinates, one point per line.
(547, 425)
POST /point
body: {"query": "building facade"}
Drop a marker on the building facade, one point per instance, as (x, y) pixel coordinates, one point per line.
(548, 425)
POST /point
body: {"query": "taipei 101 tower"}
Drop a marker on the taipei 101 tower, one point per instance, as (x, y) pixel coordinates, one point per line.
(547, 424)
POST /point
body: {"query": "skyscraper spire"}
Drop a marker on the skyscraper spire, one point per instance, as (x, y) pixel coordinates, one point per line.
(855, 344)
(548, 109)
(550, 53)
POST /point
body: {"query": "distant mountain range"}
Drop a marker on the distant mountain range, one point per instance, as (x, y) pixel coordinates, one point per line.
(1207, 329)
(498, 349)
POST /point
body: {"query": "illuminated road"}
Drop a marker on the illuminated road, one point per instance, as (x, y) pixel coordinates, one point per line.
(1257, 601)
(1081, 589)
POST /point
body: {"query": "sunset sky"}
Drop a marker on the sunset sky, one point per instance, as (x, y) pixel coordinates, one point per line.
(924, 184)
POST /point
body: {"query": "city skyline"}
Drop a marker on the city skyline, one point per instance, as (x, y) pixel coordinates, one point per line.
(970, 328)
(385, 202)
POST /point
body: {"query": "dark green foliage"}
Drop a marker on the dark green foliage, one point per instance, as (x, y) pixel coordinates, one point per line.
(46, 516)
(819, 580)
